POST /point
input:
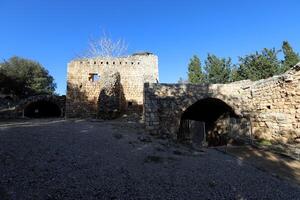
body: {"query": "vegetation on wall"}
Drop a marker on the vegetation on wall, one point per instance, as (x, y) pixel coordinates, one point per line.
(258, 65)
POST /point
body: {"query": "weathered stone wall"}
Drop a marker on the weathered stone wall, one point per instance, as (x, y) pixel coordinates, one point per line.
(83, 93)
(111, 98)
(275, 110)
(165, 103)
(270, 105)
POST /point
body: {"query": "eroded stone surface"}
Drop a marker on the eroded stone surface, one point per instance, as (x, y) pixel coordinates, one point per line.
(86, 78)
(111, 98)
(269, 106)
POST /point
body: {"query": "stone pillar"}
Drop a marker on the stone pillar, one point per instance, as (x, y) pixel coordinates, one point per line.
(150, 109)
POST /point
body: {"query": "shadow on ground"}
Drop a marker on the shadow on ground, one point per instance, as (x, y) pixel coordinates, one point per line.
(278, 165)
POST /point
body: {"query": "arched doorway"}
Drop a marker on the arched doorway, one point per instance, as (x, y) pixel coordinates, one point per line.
(207, 120)
(42, 109)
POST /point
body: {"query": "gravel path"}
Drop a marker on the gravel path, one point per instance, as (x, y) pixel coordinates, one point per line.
(117, 160)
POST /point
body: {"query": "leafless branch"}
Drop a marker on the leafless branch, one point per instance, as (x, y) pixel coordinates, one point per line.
(105, 46)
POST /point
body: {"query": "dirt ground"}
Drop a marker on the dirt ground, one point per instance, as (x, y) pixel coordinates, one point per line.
(91, 159)
(278, 165)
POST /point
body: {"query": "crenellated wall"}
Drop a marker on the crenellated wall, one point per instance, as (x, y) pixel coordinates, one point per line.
(83, 92)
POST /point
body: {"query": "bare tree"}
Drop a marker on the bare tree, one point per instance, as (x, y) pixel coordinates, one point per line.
(105, 46)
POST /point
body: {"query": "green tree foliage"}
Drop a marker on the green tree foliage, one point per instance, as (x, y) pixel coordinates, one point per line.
(24, 77)
(217, 69)
(195, 74)
(259, 65)
(8, 85)
(290, 57)
(234, 74)
(255, 66)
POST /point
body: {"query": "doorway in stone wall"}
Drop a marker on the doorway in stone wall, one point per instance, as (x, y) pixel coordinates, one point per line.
(42, 109)
(192, 131)
(206, 122)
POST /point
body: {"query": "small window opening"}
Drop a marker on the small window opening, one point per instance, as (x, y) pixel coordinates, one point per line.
(138, 63)
(88, 62)
(269, 107)
(126, 63)
(95, 62)
(107, 63)
(129, 103)
(113, 63)
(94, 77)
(80, 86)
(120, 63)
(101, 63)
(132, 63)
(80, 62)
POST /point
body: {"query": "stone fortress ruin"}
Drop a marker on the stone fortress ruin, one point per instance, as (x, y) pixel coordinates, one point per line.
(105, 87)
(108, 85)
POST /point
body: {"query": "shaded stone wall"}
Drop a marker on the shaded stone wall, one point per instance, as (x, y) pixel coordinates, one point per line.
(83, 93)
(270, 106)
(111, 98)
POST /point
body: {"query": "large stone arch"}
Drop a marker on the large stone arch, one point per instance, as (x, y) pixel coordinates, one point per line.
(206, 121)
(267, 109)
(165, 103)
(188, 101)
(41, 102)
(171, 124)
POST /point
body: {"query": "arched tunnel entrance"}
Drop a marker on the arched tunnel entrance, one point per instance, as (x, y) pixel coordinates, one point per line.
(42, 109)
(206, 121)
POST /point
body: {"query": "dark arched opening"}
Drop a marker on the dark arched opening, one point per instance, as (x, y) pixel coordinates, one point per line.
(207, 120)
(42, 109)
(8, 98)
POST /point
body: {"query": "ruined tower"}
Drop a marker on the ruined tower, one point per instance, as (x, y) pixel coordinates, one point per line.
(86, 78)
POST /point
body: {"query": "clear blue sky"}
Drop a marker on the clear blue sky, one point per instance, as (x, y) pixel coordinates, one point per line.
(53, 31)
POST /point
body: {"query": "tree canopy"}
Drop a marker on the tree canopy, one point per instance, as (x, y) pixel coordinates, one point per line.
(259, 65)
(291, 58)
(217, 69)
(254, 66)
(195, 74)
(23, 77)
